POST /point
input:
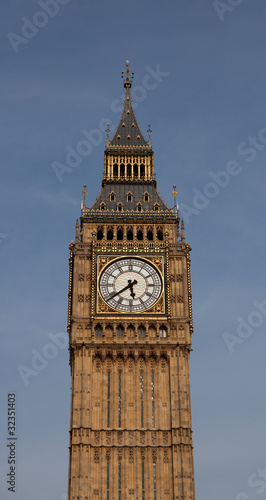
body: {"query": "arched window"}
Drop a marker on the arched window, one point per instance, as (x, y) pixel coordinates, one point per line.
(115, 170)
(129, 234)
(139, 207)
(140, 235)
(129, 196)
(102, 206)
(98, 331)
(120, 331)
(119, 207)
(100, 233)
(163, 332)
(129, 170)
(110, 234)
(120, 234)
(142, 170)
(112, 196)
(136, 170)
(142, 331)
(160, 235)
(150, 235)
(122, 170)
(156, 207)
(146, 196)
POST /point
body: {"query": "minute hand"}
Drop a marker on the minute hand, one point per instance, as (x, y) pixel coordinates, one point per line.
(130, 285)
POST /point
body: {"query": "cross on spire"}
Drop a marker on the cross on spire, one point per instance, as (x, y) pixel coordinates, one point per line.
(129, 75)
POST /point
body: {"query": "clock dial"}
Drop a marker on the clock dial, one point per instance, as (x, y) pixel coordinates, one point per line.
(130, 285)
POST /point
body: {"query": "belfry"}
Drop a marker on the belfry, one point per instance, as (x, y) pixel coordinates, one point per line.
(130, 326)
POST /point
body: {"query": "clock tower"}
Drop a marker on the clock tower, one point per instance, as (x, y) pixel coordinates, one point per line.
(130, 326)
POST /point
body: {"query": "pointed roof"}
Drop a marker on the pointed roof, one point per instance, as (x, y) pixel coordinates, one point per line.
(128, 133)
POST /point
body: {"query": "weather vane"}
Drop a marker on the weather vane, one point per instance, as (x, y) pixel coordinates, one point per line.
(174, 193)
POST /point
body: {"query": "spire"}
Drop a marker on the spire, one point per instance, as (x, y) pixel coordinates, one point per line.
(128, 133)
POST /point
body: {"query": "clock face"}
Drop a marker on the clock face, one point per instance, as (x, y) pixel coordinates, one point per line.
(130, 285)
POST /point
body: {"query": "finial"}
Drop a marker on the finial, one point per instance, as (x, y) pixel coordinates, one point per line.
(107, 135)
(149, 132)
(127, 74)
(84, 192)
(174, 193)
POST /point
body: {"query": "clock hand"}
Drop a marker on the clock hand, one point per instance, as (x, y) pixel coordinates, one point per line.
(131, 288)
(130, 285)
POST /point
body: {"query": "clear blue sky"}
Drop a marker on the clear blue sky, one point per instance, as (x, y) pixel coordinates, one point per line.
(208, 120)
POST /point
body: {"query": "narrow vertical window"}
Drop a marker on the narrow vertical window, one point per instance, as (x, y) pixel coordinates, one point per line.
(115, 170)
(141, 399)
(152, 399)
(154, 480)
(119, 480)
(98, 331)
(143, 481)
(107, 481)
(108, 399)
(119, 399)
(142, 331)
(129, 170)
(163, 332)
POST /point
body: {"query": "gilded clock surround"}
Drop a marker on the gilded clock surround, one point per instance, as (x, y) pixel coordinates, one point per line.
(130, 427)
(157, 262)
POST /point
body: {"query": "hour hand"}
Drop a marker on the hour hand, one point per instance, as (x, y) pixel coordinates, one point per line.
(130, 285)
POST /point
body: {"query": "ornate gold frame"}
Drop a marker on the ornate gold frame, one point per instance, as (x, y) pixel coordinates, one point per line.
(107, 309)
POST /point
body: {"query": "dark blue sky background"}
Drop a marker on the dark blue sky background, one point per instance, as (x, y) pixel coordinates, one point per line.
(207, 114)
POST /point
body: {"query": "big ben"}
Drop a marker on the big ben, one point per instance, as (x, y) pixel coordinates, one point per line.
(130, 326)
